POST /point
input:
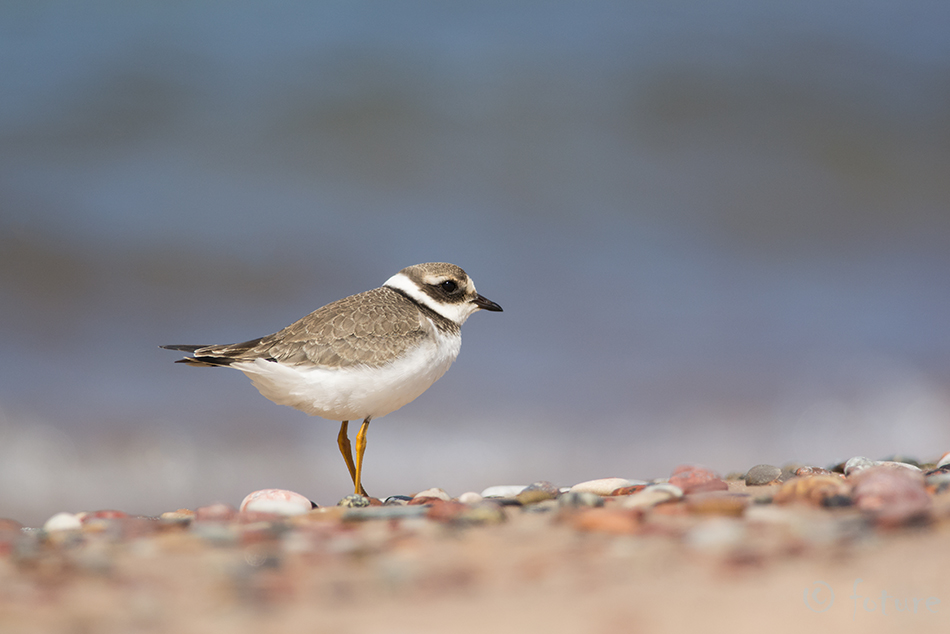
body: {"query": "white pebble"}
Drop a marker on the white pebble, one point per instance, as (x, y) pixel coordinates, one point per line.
(900, 465)
(503, 491)
(945, 460)
(603, 486)
(276, 501)
(433, 493)
(859, 463)
(63, 522)
(470, 497)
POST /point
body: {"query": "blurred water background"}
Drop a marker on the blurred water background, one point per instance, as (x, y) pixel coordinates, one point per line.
(719, 231)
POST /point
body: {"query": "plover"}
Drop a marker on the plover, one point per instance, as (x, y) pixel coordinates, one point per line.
(360, 357)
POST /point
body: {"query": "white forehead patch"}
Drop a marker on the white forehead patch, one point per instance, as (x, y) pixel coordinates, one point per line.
(456, 312)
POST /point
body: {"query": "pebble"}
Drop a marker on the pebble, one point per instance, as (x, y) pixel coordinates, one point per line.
(470, 497)
(944, 460)
(892, 496)
(763, 474)
(277, 502)
(180, 517)
(652, 495)
(354, 500)
(812, 489)
(579, 499)
(694, 479)
(803, 472)
(537, 492)
(63, 522)
(438, 494)
(859, 463)
(483, 513)
(503, 491)
(603, 486)
(789, 469)
(397, 500)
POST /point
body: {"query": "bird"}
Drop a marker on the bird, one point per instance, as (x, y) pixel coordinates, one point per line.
(360, 357)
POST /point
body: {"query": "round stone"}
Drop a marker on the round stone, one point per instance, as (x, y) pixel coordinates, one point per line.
(891, 496)
(602, 486)
(695, 479)
(537, 492)
(763, 474)
(63, 522)
(503, 491)
(470, 497)
(436, 493)
(277, 502)
(859, 463)
(812, 489)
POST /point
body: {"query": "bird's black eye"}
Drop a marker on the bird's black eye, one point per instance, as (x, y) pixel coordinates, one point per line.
(449, 286)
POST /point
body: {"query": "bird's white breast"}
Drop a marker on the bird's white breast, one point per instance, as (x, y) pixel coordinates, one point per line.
(356, 392)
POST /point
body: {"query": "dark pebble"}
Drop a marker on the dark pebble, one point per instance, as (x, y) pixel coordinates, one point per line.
(580, 499)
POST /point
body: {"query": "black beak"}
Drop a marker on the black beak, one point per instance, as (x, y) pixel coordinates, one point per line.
(486, 304)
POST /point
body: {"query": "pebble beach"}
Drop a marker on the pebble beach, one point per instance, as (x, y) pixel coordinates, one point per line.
(857, 546)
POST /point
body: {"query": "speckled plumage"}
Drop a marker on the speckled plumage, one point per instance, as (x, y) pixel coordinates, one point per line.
(363, 356)
(370, 328)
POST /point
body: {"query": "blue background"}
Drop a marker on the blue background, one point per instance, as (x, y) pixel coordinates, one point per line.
(719, 232)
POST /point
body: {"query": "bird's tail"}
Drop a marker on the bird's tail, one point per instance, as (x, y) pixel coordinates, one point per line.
(212, 356)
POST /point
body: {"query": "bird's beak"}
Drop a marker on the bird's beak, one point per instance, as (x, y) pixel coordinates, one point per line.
(486, 304)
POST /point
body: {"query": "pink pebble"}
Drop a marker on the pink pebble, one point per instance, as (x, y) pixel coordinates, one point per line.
(276, 501)
(694, 479)
(892, 496)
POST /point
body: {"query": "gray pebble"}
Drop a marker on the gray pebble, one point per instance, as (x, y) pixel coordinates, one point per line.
(538, 492)
(762, 474)
(503, 491)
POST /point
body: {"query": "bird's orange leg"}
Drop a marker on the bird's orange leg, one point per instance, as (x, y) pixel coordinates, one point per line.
(344, 443)
(360, 450)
